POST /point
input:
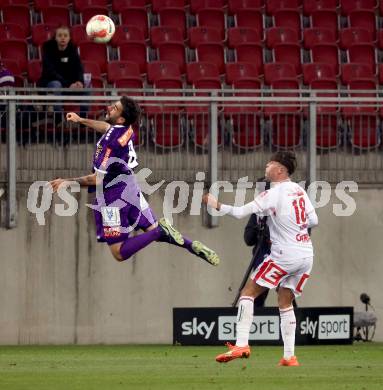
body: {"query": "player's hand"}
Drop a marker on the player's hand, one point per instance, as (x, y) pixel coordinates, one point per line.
(56, 183)
(210, 200)
(73, 117)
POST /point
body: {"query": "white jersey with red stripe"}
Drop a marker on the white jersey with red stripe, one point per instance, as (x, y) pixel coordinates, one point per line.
(290, 213)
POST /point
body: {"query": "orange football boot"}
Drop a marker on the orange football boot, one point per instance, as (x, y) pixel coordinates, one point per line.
(234, 352)
(293, 361)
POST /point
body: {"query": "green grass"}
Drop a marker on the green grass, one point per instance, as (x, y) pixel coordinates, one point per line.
(359, 366)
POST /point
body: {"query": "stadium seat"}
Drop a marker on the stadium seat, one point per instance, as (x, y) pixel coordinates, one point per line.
(127, 33)
(326, 84)
(276, 35)
(279, 70)
(364, 54)
(166, 130)
(88, 12)
(327, 53)
(40, 4)
(18, 14)
(238, 35)
(13, 66)
(80, 5)
(273, 6)
(211, 52)
(381, 74)
(317, 35)
(348, 6)
(309, 6)
(201, 71)
(286, 130)
(95, 73)
(288, 52)
(364, 131)
(328, 136)
(173, 17)
(119, 5)
(78, 34)
(135, 17)
(34, 71)
(158, 5)
(158, 70)
(355, 71)
(43, 32)
(90, 51)
(199, 35)
(325, 18)
(55, 15)
(208, 17)
(129, 83)
(251, 19)
(288, 18)
(363, 19)
(250, 53)
(173, 52)
(163, 34)
(362, 85)
(235, 5)
(197, 5)
(11, 31)
(352, 35)
(123, 70)
(317, 71)
(15, 49)
(134, 50)
(237, 71)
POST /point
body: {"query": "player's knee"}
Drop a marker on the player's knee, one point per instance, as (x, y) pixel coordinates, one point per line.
(115, 250)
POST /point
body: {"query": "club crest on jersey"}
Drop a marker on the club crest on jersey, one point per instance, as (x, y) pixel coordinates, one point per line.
(124, 139)
(110, 216)
(98, 151)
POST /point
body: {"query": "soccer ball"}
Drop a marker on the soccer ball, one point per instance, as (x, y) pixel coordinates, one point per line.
(100, 28)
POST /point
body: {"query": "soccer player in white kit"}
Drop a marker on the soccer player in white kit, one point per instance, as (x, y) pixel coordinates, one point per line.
(287, 268)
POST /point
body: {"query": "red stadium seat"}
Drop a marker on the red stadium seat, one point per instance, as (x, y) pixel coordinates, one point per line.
(215, 18)
(352, 35)
(199, 35)
(250, 53)
(317, 71)
(134, 51)
(173, 17)
(273, 6)
(163, 34)
(309, 6)
(326, 84)
(288, 18)
(238, 35)
(43, 32)
(129, 83)
(18, 14)
(119, 5)
(276, 35)
(251, 19)
(380, 73)
(286, 130)
(11, 31)
(14, 2)
(40, 4)
(279, 70)
(90, 51)
(158, 5)
(364, 131)
(159, 70)
(327, 53)
(173, 52)
(34, 71)
(325, 19)
(166, 130)
(78, 34)
(15, 49)
(317, 35)
(363, 19)
(80, 5)
(123, 70)
(201, 71)
(197, 5)
(348, 6)
(364, 54)
(235, 5)
(55, 15)
(95, 72)
(290, 53)
(236, 71)
(355, 71)
(88, 12)
(212, 52)
(327, 131)
(135, 17)
(127, 33)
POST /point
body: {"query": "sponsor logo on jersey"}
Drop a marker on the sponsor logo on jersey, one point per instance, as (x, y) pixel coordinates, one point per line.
(106, 157)
(111, 232)
(98, 151)
(124, 139)
(302, 237)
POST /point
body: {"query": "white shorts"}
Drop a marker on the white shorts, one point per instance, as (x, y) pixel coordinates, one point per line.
(292, 275)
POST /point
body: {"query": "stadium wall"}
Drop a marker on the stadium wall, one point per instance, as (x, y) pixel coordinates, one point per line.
(58, 286)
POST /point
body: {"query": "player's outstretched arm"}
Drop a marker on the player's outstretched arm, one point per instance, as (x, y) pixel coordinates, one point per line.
(84, 181)
(99, 126)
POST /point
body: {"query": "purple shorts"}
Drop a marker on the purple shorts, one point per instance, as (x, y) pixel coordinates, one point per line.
(116, 218)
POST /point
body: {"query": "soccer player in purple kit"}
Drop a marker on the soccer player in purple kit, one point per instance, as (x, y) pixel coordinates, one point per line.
(123, 206)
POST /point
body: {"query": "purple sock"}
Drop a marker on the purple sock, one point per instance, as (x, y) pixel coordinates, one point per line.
(133, 244)
(188, 244)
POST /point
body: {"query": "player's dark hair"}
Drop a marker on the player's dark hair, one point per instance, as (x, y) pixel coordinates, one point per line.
(130, 110)
(287, 159)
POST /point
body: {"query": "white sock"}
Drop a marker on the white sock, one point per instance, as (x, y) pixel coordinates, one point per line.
(288, 325)
(244, 320)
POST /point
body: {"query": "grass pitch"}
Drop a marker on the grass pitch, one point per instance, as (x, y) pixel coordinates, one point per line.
(358, 366)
